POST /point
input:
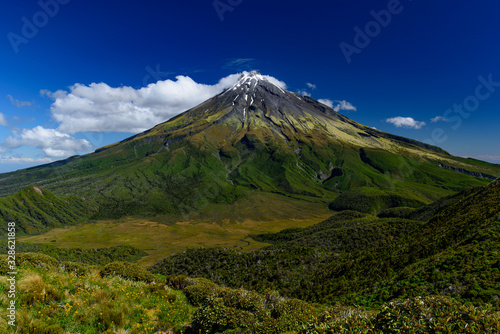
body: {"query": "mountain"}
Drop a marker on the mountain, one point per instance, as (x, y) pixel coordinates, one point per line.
(256, 137)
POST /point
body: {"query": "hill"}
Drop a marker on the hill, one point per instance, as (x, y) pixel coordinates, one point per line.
(35, 209)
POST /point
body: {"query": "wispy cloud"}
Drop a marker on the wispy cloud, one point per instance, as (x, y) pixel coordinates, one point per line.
(326, 102)
(405, 122)
(241, 64)
(338, 105)
(344, 105)
(310, 85)
(303, 92)
(491, 158)
(52, 142)
(18, 103)
(3, 121)
(438, 119)
(14, 160)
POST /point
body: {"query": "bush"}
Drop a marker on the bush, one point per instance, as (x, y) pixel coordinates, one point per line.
(436, 315)
(215, 317)
(127, 270)
(76, 268)
(40, 327)
(33, 260)
(163, 291)
(109, 317)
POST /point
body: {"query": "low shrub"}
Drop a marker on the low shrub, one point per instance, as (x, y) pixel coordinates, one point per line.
(78, 269)
(436, 315)
(36, 260)
(127, 270)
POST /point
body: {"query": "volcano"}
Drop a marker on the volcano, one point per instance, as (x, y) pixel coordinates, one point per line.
(256, 137)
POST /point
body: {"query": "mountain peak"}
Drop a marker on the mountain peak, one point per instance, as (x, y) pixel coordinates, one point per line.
(250, 80)
(252, 75)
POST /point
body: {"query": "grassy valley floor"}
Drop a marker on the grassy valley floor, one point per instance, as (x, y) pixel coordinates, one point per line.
(215, 226)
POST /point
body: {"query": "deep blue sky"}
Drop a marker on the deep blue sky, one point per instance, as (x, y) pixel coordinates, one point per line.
(428, 58)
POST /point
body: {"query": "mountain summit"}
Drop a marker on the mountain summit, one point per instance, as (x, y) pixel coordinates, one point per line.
(256, 137)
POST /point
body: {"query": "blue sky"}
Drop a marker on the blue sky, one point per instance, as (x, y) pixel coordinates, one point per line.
(76, 75)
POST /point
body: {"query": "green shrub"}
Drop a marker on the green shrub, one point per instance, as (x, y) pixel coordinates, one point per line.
(109, 317)
(76, 268)
(40, 327)
(178, 282)
(215, 317)
(127, 270)
(36, 260)
(436, 315)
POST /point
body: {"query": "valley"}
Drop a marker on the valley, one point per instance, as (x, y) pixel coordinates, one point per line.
(214, 226)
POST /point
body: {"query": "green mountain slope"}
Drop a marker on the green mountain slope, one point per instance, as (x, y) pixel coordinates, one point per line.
(35, 209)
(256, 135)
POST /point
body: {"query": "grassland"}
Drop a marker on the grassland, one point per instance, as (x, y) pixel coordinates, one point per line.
(215, 226)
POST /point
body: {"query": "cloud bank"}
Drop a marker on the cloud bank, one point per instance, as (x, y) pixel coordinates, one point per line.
(52, 142)
(101, 108)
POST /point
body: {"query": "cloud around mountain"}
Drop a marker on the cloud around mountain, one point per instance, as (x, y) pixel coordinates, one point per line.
(338, 105)
(100, 108)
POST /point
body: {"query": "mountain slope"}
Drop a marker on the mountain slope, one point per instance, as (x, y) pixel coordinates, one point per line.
(360, 259)
(34, 210)
(255, 135)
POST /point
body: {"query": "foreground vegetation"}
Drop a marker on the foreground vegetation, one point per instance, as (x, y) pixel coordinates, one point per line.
(121, 297)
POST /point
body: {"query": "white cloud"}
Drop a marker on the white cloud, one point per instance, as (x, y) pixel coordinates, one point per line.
(310, 85)
(344, 105)
(52, 142)
(303, 92)
(11, 160)
(337, 104)
(326, 102)
(405, 122)
(99, 107)
(3, 121)
(438, 119)
(18, 103)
